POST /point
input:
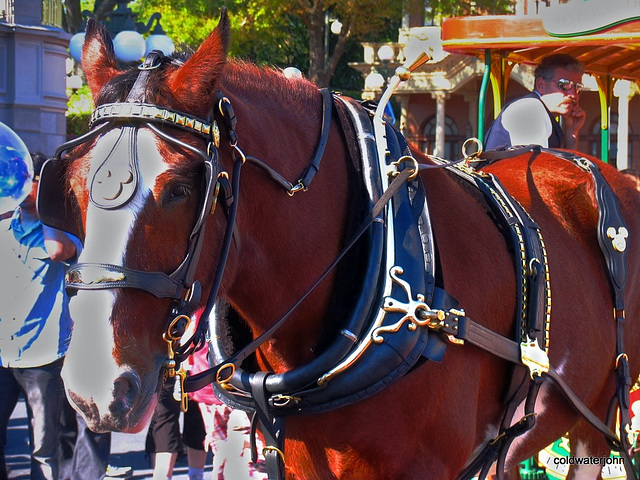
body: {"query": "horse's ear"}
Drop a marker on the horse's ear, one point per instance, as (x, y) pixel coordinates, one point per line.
(98, 58)
(193, 84)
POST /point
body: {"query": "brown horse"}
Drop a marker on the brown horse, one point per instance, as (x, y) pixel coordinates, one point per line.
(426, 424)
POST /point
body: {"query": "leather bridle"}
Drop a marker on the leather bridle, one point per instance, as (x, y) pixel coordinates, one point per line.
(179, 285)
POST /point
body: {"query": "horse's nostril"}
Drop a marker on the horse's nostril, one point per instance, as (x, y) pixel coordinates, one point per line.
(126, 388)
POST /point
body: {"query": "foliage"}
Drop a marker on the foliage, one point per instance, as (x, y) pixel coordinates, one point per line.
(436, 10)
(292, 32)
(79, 108)
(279, 32)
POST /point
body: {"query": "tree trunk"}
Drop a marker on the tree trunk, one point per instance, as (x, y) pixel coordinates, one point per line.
(316, 45)
(73, 16)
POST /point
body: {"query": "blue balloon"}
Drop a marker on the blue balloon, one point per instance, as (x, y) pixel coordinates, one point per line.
(16, 170)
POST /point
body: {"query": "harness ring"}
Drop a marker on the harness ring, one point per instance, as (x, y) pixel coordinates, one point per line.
(222, 381)
(169, 335)
(415, 165)
(620, 357)
(471, 157)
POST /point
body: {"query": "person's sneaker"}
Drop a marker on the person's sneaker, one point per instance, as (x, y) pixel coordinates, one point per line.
(118, 472)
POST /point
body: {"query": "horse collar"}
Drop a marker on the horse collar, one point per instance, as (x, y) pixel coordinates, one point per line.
(371, 349)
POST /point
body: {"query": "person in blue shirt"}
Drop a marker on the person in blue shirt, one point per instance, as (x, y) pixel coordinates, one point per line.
(532, 118)
(35, 329)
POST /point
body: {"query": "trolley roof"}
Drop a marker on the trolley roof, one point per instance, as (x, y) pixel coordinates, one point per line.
(613, 50)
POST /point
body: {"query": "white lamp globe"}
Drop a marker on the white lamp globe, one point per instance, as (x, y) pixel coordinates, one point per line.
(159, 42)
(374, 81)
(75, 46)
(385, 53)
(129, 46)
(336, 27)
(292, 73)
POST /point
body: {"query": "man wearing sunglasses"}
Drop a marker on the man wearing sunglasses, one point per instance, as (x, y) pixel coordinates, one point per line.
(533, 118)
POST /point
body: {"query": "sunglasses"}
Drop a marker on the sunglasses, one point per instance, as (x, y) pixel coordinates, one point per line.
(566, 86)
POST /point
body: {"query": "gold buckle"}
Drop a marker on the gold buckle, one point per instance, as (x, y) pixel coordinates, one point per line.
(297, 188)
(224, 380)
(533, 357)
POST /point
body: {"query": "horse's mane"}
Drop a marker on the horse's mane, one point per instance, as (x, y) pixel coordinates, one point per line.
(253, 82)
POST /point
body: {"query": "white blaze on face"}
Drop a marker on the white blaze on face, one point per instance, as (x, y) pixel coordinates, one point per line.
(90, 368)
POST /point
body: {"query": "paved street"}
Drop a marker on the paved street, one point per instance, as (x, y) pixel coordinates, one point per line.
(126, 450)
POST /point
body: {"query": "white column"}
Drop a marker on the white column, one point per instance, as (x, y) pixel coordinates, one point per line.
(440, 98)
(622, 90)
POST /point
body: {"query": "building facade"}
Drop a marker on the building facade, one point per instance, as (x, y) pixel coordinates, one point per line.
(33, 54)
(437, 109)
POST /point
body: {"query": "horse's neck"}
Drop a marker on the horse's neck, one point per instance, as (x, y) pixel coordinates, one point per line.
(287, 242)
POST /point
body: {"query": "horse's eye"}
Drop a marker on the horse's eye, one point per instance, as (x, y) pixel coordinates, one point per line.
(178, 192)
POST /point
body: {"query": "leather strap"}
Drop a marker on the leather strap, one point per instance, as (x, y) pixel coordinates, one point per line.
(307, 176)
(272, 429)
(99, 276)
(327, 103)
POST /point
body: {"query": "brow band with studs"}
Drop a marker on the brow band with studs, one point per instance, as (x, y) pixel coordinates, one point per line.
(153, 113)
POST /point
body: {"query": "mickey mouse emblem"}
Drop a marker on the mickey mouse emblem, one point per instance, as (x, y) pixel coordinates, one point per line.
(109, 186)
(618, 238)
(115, 180)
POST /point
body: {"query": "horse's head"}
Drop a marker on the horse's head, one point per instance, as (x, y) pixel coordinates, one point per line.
(140, 185)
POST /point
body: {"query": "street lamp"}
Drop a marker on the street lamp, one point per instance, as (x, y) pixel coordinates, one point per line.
(376, 80)
(334, 26)
(128, 43)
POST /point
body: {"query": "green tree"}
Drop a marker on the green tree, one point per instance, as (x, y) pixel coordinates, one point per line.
(282, 32)
(73, 12)
(436, 10)
(290, 32)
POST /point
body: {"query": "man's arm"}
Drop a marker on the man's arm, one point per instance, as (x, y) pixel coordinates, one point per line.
(572, 124)
(58, 244)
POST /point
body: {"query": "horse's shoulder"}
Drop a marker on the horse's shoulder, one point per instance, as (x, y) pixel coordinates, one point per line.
(552, 190)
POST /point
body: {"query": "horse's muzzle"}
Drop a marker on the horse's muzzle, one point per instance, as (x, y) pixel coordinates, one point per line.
(127, 408)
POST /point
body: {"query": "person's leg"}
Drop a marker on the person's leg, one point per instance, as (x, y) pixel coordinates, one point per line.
(163, 465)
(9, 393)
(165, 432)
(197, 459)
(91, 454)
(68, 437)
(215, 419)
(44, 392)
(193, 437)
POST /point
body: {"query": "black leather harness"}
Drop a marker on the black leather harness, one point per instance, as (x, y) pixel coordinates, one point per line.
(400, 316)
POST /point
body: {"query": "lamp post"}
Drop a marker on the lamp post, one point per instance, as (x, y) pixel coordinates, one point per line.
(334, 26)
(128, 43)
(376, 80)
